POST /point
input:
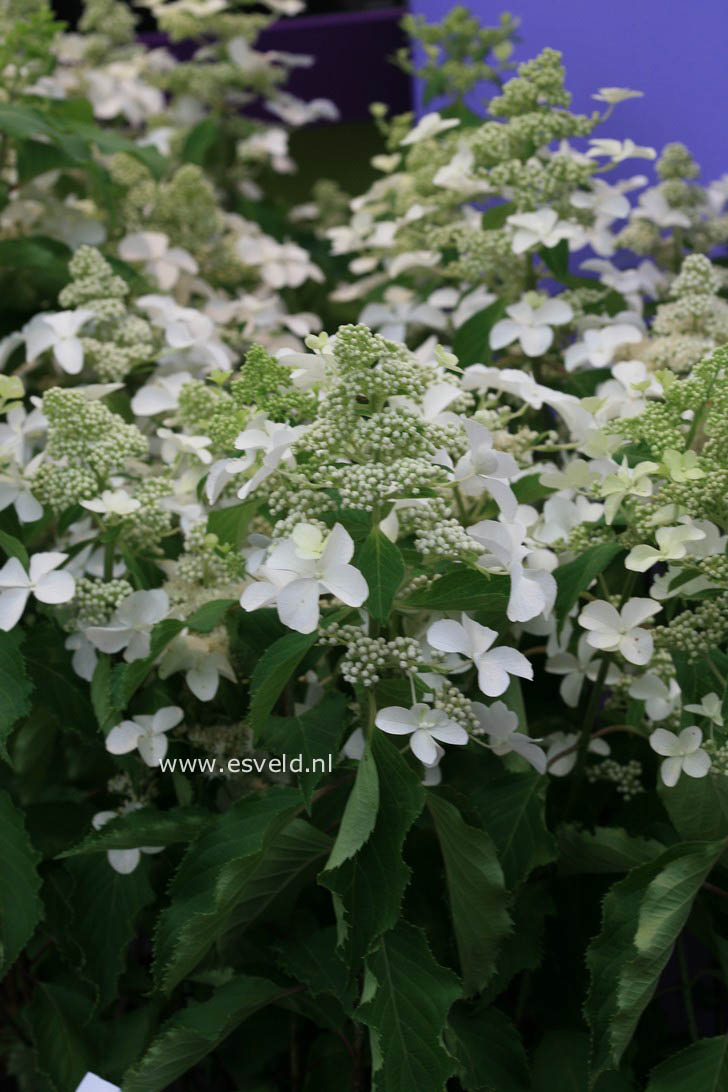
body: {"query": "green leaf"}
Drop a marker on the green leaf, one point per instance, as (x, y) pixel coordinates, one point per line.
(272, 672)
(200, 141)
(556, 259)
(698, 808)
(35, 157)
(701, 1067)
(478, 897)
(20, 906)
(360, 813)
(642, 918)
(405, 1002)
(231, 524)
(144, 827)
(605, 849)
(194, 1032)
(58, 1013)
(288, 856)
(212, 878)
(314, 961)
(488, 1050)
(13, 547)
(382, 566)
(315, 735)
(576, 576)
(471, 344)
(561, 1060)
(57, 687)
(512, 811)
(105, 908)
(15, 686)
(368, 887)
(465, 589)
(207, 617)
(104, 708)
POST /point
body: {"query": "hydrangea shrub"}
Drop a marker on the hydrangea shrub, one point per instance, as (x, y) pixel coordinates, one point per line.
(362, 690)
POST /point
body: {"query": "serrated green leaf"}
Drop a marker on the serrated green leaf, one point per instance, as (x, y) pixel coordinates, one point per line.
(58, 1013)
(20, 906)
(488, 1049)
(105, 907)
(212, 879)
(207, 617)
(382, 566)
(315, 735)
(368, 887)
(701, 1067)
(405, 1003)
(15, 686)
(360, 813)
(698, 808)
(465, 589)
(576, 576)
(512, 811)
(605, 849)
(642, 917)
(272, 672)
(313, 960)
(477, 895)
(194, 1032)
(143, 827)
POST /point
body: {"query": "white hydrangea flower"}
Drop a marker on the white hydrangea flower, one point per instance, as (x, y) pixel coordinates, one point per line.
(41, 580)
(661, 699)
(160, 260)
(561, 742)
(597, 347)
(530, 325)
(533, 588)
(671, 546)
(501, 725)
(202, 663)
(60, 333)
(613, 95)
(653, 206)
(620, 631)
(112, 502)
(618, 150)
(710, 706)
(540, 228)
(425, 727)
(428, 126)
(146, 734)
(131, 624)
(576, 668)
(494, 665)
(300, 569)
(627, 481)
(682, 754)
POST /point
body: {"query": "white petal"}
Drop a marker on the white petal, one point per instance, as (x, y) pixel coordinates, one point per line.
(298, 605)
(153, 749)
(536, 340)
(203, 682)
(69, 355)
(123, 738)
(346, 583)
(166, 718)
(450, 733)
(601, 617)
(637, 611)
(449, 636)
(55, 588)
(257, 595)
(40, 564)
(339, 547)
(109, 638)
(670, 771)
(12, 605)
(123, 860)
(663, 742)
(396, 720)
(424, 747)
(697, 764)
(637, 647)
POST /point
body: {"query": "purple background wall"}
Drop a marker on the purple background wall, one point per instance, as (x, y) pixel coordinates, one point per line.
(672, 50)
